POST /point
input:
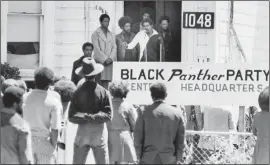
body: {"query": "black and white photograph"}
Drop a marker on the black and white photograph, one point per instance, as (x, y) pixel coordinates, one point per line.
(134, 82)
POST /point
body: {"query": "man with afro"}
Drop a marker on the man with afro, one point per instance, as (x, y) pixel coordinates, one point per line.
(127, 36)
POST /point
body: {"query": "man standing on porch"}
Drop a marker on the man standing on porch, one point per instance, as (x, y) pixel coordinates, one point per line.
(151, 44)
(104, 49)
(87, 52)
(137, 27)
(126, 36)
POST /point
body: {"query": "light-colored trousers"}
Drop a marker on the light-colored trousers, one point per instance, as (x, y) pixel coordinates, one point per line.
(100, 153)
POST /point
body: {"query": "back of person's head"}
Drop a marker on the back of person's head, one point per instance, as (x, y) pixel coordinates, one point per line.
(65, 88)
(8, 83)
(22, 85)
(12, 94)
(44, 77)
(158, 91)
(119, 89)
(264, 99)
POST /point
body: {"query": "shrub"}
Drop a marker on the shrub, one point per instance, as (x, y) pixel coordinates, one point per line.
(9, 72)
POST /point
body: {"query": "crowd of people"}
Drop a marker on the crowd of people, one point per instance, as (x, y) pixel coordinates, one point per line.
(33, 122)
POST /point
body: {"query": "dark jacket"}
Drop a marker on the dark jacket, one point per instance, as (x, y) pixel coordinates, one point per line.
(93, 99)
(136, 27)
(153, 49)
(165, 122)
(74, 77)
(124, 54)
(167, 38)
(15, 139)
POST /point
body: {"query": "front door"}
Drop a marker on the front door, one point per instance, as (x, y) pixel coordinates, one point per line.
(172, 9)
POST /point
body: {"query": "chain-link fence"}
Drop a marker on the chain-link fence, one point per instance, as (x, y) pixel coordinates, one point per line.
(218, 147)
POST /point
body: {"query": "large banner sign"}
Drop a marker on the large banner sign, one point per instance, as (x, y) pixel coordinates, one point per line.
(195, 84)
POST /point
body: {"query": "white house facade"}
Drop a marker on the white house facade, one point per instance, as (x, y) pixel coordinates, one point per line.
(51, 33)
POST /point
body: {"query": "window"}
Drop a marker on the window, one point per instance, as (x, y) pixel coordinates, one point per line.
(23, 34)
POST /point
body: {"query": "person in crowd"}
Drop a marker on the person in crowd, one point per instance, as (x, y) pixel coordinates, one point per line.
(90, 108)
(43, 111)
(151, 45)
(166, 36)
(159, 134)
(1, 102)
(22, 85)
(6, 83)
(105, 49)
(261, 130)
(16, 145)
(2, 79)
(121, 145)
(87, 49)
(137, 27)
(65, 88)
(249, 118)
(127, 36)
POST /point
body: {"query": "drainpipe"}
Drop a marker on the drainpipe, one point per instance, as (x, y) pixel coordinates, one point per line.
(233, 32)
(241, 118)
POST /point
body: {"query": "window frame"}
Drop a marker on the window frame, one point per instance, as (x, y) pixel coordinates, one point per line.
(26, 74)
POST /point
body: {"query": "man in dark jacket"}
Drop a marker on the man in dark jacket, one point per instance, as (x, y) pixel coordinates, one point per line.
(127, 36)
(90, 108)
(87, 51)
(166, 36)
(159, 134)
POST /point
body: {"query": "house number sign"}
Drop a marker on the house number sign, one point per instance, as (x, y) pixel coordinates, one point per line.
(198, 20)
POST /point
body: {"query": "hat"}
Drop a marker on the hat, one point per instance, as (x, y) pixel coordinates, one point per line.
(89, 68)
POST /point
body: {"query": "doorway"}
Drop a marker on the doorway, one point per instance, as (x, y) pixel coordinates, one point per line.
(172, 9)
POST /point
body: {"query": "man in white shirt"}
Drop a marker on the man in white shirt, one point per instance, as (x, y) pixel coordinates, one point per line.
(151, 45)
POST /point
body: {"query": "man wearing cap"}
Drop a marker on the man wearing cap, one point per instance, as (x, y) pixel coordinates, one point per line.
(90, 108)
(127, 36)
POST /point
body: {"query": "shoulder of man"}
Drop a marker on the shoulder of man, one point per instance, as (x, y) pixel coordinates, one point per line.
(19, 123)
(78, 61)
(118, 36)
(54, 94)
(175, 110)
